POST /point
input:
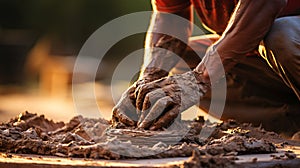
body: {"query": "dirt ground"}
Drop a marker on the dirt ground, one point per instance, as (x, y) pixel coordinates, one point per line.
(82, 137)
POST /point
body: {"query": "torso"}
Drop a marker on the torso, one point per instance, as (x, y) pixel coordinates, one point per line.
(215, 14)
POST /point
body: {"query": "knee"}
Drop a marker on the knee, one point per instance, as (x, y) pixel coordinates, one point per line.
(278, 35)
(282, 39)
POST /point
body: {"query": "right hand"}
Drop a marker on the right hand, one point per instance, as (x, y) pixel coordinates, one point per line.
(161, 101)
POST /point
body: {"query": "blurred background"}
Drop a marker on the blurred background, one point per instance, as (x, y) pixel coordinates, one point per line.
(39, 42)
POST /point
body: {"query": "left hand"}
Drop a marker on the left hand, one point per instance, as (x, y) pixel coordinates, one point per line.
(161, 101)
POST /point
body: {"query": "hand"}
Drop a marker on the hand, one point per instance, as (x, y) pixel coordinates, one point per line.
(162, 60)
(161, 101)
(213, 66)
(125, 111)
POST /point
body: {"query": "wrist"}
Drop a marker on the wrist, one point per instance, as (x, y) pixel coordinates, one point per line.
(162, 57)
(211, 68)
(200, 78)
(153, 73)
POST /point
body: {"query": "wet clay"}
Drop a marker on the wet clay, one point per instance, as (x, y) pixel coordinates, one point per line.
(96, 138)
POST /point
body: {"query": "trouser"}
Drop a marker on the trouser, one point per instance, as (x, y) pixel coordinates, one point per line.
(264, 88)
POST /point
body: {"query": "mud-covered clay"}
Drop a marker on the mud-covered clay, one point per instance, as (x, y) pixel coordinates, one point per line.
(96, 138)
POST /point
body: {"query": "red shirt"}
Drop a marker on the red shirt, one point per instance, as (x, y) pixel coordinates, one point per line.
(215, 14)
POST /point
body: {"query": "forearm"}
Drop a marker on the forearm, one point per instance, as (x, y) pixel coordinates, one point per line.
(249, 24)
(162, 51)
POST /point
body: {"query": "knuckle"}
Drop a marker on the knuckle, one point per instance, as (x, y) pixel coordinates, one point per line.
(137, 90)
(143, 89)
(131, 89)
(147, 97)
(161, 101)
(168, 99)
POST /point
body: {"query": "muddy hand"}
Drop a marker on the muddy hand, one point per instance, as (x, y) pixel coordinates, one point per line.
(125, 110)
(161, 101)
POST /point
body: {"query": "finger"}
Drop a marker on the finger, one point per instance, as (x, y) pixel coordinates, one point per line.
(127, 99)
(156, 111)
(131, 95)
(120, 116)
(141, 92)
(166, 119)
(149, 100)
